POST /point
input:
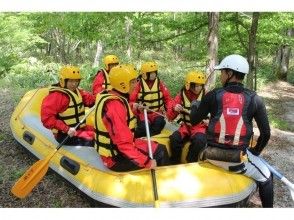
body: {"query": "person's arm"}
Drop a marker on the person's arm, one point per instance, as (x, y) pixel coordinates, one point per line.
(115, 122)
(167, 98)
(260, 116)
(53, 104)
(200, 113)
(88, 98)
(171, 114)
(97, 83)
(133, 99)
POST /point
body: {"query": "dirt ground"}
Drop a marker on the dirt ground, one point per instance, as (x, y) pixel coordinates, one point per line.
(53, 191)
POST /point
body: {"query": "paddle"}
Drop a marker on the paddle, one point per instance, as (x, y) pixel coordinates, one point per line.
(280, 177)
(173, 126)
(154, 185)
(35, 173)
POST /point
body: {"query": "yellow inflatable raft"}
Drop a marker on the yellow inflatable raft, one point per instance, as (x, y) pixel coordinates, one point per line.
(186, 185)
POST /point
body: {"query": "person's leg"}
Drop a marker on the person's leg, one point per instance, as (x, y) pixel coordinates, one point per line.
(74, 141)
(198, 143)
(123, 164)
(257, 170)
(176, 145)
(140, 130)
(157, 125)
(266, 193)
(161, 155)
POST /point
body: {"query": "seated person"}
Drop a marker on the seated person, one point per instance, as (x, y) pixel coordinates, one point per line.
(154, 95)
(192, 92)
(64, 108)
(115, 123)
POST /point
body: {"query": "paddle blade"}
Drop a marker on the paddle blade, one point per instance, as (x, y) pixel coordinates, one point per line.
(30, 178)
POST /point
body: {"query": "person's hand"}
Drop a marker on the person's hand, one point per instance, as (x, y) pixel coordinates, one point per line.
(71, 132)
(178, 108)
(138, 107)
(205, 121)
(153, 164)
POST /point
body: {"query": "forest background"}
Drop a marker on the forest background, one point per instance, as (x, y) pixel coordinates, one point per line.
(34, 45)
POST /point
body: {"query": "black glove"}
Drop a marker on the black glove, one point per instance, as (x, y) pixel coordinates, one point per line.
(253, 151)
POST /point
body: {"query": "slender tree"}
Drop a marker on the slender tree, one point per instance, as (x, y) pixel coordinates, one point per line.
(252, 55)
(213, 26)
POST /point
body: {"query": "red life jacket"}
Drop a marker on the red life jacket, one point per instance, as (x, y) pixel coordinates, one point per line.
(230, 127)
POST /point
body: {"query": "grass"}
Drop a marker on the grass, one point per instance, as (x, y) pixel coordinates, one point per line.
(276, 122)
(16, 174)
(2, 136)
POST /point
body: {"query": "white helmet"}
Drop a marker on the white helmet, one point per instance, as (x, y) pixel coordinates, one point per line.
(234, 62)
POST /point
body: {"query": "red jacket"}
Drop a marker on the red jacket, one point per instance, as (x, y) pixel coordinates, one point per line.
(57, 102)
(167, 99)
(171, 113)
(185, 129)
(98, 82)
(120, 134)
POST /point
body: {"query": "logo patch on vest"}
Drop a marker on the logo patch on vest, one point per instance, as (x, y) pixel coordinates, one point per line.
(232, 111)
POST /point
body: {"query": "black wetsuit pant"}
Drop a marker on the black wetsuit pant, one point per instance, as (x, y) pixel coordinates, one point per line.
(198, 143)
(155, 127)
(124, 164)
(74, 141)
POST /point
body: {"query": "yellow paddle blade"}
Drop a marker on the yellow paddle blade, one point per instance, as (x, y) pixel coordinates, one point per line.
(30, 178)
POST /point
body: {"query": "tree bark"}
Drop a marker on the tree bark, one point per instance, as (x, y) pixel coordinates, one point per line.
(281, 64)
(99, 50)
(213, 26)
(128, 26)
(252, 55)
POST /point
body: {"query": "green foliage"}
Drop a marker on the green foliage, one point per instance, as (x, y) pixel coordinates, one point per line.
(17, 39)
(32, 73)
(16, 174)
(276, 122)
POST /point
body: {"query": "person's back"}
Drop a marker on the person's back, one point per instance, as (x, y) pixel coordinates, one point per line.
(115, 123)
(232, 109)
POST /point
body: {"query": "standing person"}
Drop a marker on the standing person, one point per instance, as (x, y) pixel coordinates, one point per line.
(101, 80)
(192, 92)
(230, 128)
(115, 123)
(153, 94)
(64, 107)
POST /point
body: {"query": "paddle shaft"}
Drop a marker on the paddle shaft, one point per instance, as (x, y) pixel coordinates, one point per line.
(166, 119)
(154, 184)
(67, 137)
(276, 173)
(280, 177)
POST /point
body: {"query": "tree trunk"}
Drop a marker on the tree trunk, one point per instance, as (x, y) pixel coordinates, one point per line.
(128, 24)
(213, 23)
(251, 55)
(282, 58)
(99, 50)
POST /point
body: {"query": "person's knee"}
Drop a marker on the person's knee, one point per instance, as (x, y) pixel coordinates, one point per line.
(140, 130)
(161, 155)
(175, 138)
(157, 125)
(199, 140)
